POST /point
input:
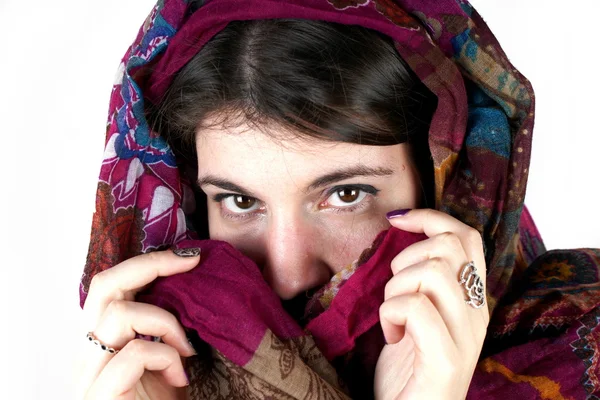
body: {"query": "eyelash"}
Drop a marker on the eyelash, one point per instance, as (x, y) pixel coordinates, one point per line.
(218, 198)
(368, 189)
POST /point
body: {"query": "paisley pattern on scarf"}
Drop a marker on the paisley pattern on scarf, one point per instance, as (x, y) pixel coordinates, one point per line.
(225, 380)
(543, 335)
(116, 235)
(586, 348)
(541, 386)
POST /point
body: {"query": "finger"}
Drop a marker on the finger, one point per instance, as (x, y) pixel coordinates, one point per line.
(446, 245)
(433, 222)
(120, 376)
(435, 279)
(122, 281)
(123, 319)
(428, 221)
(421, 320)
(119, 325)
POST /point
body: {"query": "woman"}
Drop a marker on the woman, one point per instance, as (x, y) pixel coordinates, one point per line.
(309, 127)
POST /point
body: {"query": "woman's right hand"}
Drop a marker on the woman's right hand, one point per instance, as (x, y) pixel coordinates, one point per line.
(141, 369)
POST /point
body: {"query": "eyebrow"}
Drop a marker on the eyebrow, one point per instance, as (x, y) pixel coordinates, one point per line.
(223, 184)
(335, 176)
(342, 174)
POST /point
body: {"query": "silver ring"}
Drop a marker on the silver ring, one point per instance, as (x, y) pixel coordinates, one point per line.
(471, 281)
(90, 336)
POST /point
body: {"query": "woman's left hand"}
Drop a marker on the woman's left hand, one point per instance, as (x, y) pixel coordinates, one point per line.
(434, 338)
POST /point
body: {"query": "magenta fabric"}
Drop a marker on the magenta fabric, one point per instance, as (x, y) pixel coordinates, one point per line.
(355, 309)
(228, 304)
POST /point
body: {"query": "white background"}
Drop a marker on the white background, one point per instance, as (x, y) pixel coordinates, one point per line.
(57, 63)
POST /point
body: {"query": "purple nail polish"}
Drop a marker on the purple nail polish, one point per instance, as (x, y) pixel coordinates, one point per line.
(397, 213)
(191, 252)
(187, 378)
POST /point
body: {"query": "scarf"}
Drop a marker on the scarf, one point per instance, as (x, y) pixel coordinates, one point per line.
(542, 340)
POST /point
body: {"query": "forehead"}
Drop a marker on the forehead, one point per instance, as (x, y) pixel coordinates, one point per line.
(247, 152)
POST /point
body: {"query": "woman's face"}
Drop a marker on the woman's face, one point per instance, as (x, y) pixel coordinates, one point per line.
(302, 209)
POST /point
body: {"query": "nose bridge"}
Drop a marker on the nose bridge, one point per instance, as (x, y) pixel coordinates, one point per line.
(289, 243)
(293, 262)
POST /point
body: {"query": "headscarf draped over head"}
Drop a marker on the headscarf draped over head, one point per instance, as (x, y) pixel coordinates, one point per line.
(480, 142)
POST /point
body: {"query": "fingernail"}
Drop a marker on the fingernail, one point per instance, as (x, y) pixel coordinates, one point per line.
(397, 213)
(190, 252)
(187, 378)
(192, 347)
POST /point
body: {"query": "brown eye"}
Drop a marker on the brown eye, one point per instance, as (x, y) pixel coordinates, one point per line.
(348, 195)
(244, 202)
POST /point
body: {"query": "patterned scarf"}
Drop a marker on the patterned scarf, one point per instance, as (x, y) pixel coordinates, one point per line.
(543, 336)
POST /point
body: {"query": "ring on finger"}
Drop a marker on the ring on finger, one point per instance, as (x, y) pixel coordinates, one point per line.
(471, 281)
(90, 336)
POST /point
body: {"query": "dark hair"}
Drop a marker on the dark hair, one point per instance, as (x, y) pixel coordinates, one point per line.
(325, 80)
